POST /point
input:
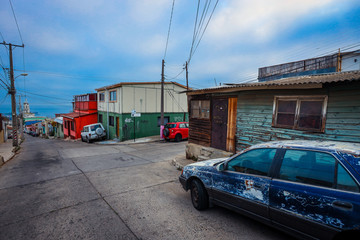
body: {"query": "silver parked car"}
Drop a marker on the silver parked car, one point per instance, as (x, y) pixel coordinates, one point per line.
(92, 132)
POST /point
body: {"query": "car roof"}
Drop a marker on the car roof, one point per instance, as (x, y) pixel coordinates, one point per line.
(345, 147)
(92, 124)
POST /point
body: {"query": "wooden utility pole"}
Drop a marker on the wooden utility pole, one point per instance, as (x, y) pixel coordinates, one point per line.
(21, 116)
(12, 92)
(162, 98)
(187, 76)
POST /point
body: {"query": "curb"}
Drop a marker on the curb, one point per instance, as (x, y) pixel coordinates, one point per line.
(180, 162)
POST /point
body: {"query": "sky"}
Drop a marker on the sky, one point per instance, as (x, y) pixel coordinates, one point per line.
(74, 47)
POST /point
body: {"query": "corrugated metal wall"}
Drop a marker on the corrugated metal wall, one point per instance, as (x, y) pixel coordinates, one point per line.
(255, 109)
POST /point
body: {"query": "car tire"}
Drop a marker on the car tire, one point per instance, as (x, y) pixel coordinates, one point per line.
(87, 140)
(178, 137)
(82, 139)
(99, 131)
(199, 196)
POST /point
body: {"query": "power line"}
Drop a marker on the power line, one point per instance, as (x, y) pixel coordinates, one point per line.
(4, 99)
(198, 27)
(41, 95)
(168, 35)
(17, 25)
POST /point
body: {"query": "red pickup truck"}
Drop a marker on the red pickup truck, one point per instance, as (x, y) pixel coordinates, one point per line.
(176, 131)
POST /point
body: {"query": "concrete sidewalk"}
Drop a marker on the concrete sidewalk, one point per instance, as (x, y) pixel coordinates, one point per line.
(6, 151)
(155, 138)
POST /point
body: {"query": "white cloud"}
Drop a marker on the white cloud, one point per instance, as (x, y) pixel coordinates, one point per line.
(260, 20)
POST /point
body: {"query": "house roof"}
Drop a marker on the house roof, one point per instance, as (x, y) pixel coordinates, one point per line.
(76, 115)
(117, 85)
(299, 82)
(59, 120)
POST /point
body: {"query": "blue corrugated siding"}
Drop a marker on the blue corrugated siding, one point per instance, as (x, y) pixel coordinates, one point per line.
(255, 110)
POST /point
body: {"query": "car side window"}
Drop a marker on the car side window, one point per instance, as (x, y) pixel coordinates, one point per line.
(257, 161)
(345, 181)
(182, 125)
(315, 168)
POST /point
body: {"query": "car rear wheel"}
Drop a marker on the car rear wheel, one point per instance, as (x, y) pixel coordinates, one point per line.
(178, 137)
(82, 139)
(199, 197)
(87, 140)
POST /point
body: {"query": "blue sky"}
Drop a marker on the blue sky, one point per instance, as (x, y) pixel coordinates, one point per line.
(73, 47)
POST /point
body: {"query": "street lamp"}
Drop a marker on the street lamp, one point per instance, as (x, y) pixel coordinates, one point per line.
(23, 74)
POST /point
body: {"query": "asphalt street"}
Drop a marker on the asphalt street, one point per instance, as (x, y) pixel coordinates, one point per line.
(56, 189)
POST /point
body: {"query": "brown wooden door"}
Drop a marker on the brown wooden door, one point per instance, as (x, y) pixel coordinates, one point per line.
(117, 127)
(219, 111)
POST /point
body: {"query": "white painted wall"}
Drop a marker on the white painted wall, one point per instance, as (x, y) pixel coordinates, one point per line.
(145, 98)
(350, 62)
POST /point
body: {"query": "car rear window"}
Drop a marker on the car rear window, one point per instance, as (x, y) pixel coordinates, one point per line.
(94, 127)
(170, 125)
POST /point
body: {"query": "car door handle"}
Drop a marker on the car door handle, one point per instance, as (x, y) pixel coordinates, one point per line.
(341, 204)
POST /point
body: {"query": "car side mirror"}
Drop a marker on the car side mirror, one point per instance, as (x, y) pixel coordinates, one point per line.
(221, 167)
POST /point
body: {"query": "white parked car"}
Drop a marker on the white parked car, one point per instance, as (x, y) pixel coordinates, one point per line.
(92, 132)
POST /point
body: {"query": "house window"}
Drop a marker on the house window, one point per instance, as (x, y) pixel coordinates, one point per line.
(111, 121)
(113, 96)
(100, 118)
(200, 109)
(72, 126)
(101, 97)
(166, 120)
(300, 112)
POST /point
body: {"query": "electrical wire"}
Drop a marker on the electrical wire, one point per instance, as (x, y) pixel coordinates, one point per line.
(41, 95)
(173, 97)
(198, 27)
(17, 25)
(168, 35)
(3, 100)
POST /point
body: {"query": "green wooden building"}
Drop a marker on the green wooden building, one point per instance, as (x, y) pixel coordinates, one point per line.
(315, 107)
(117, 102)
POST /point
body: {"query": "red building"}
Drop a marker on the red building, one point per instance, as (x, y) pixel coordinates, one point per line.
(84, 113)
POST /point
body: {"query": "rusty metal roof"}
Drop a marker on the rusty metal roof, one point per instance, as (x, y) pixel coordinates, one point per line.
(76, 115)
(299, 82)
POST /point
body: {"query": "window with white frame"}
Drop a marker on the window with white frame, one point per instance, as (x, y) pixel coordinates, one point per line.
(300, 112)
(113, 96)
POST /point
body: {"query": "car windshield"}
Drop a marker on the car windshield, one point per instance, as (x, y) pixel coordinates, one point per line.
(170, 125)
(93, 128)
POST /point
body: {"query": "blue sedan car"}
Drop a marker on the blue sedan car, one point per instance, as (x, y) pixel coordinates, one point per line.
(310, 189)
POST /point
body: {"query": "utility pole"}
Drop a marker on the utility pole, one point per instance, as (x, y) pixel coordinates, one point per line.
(21, 115)
(12, 91)
(187, 76)
(162, 98)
